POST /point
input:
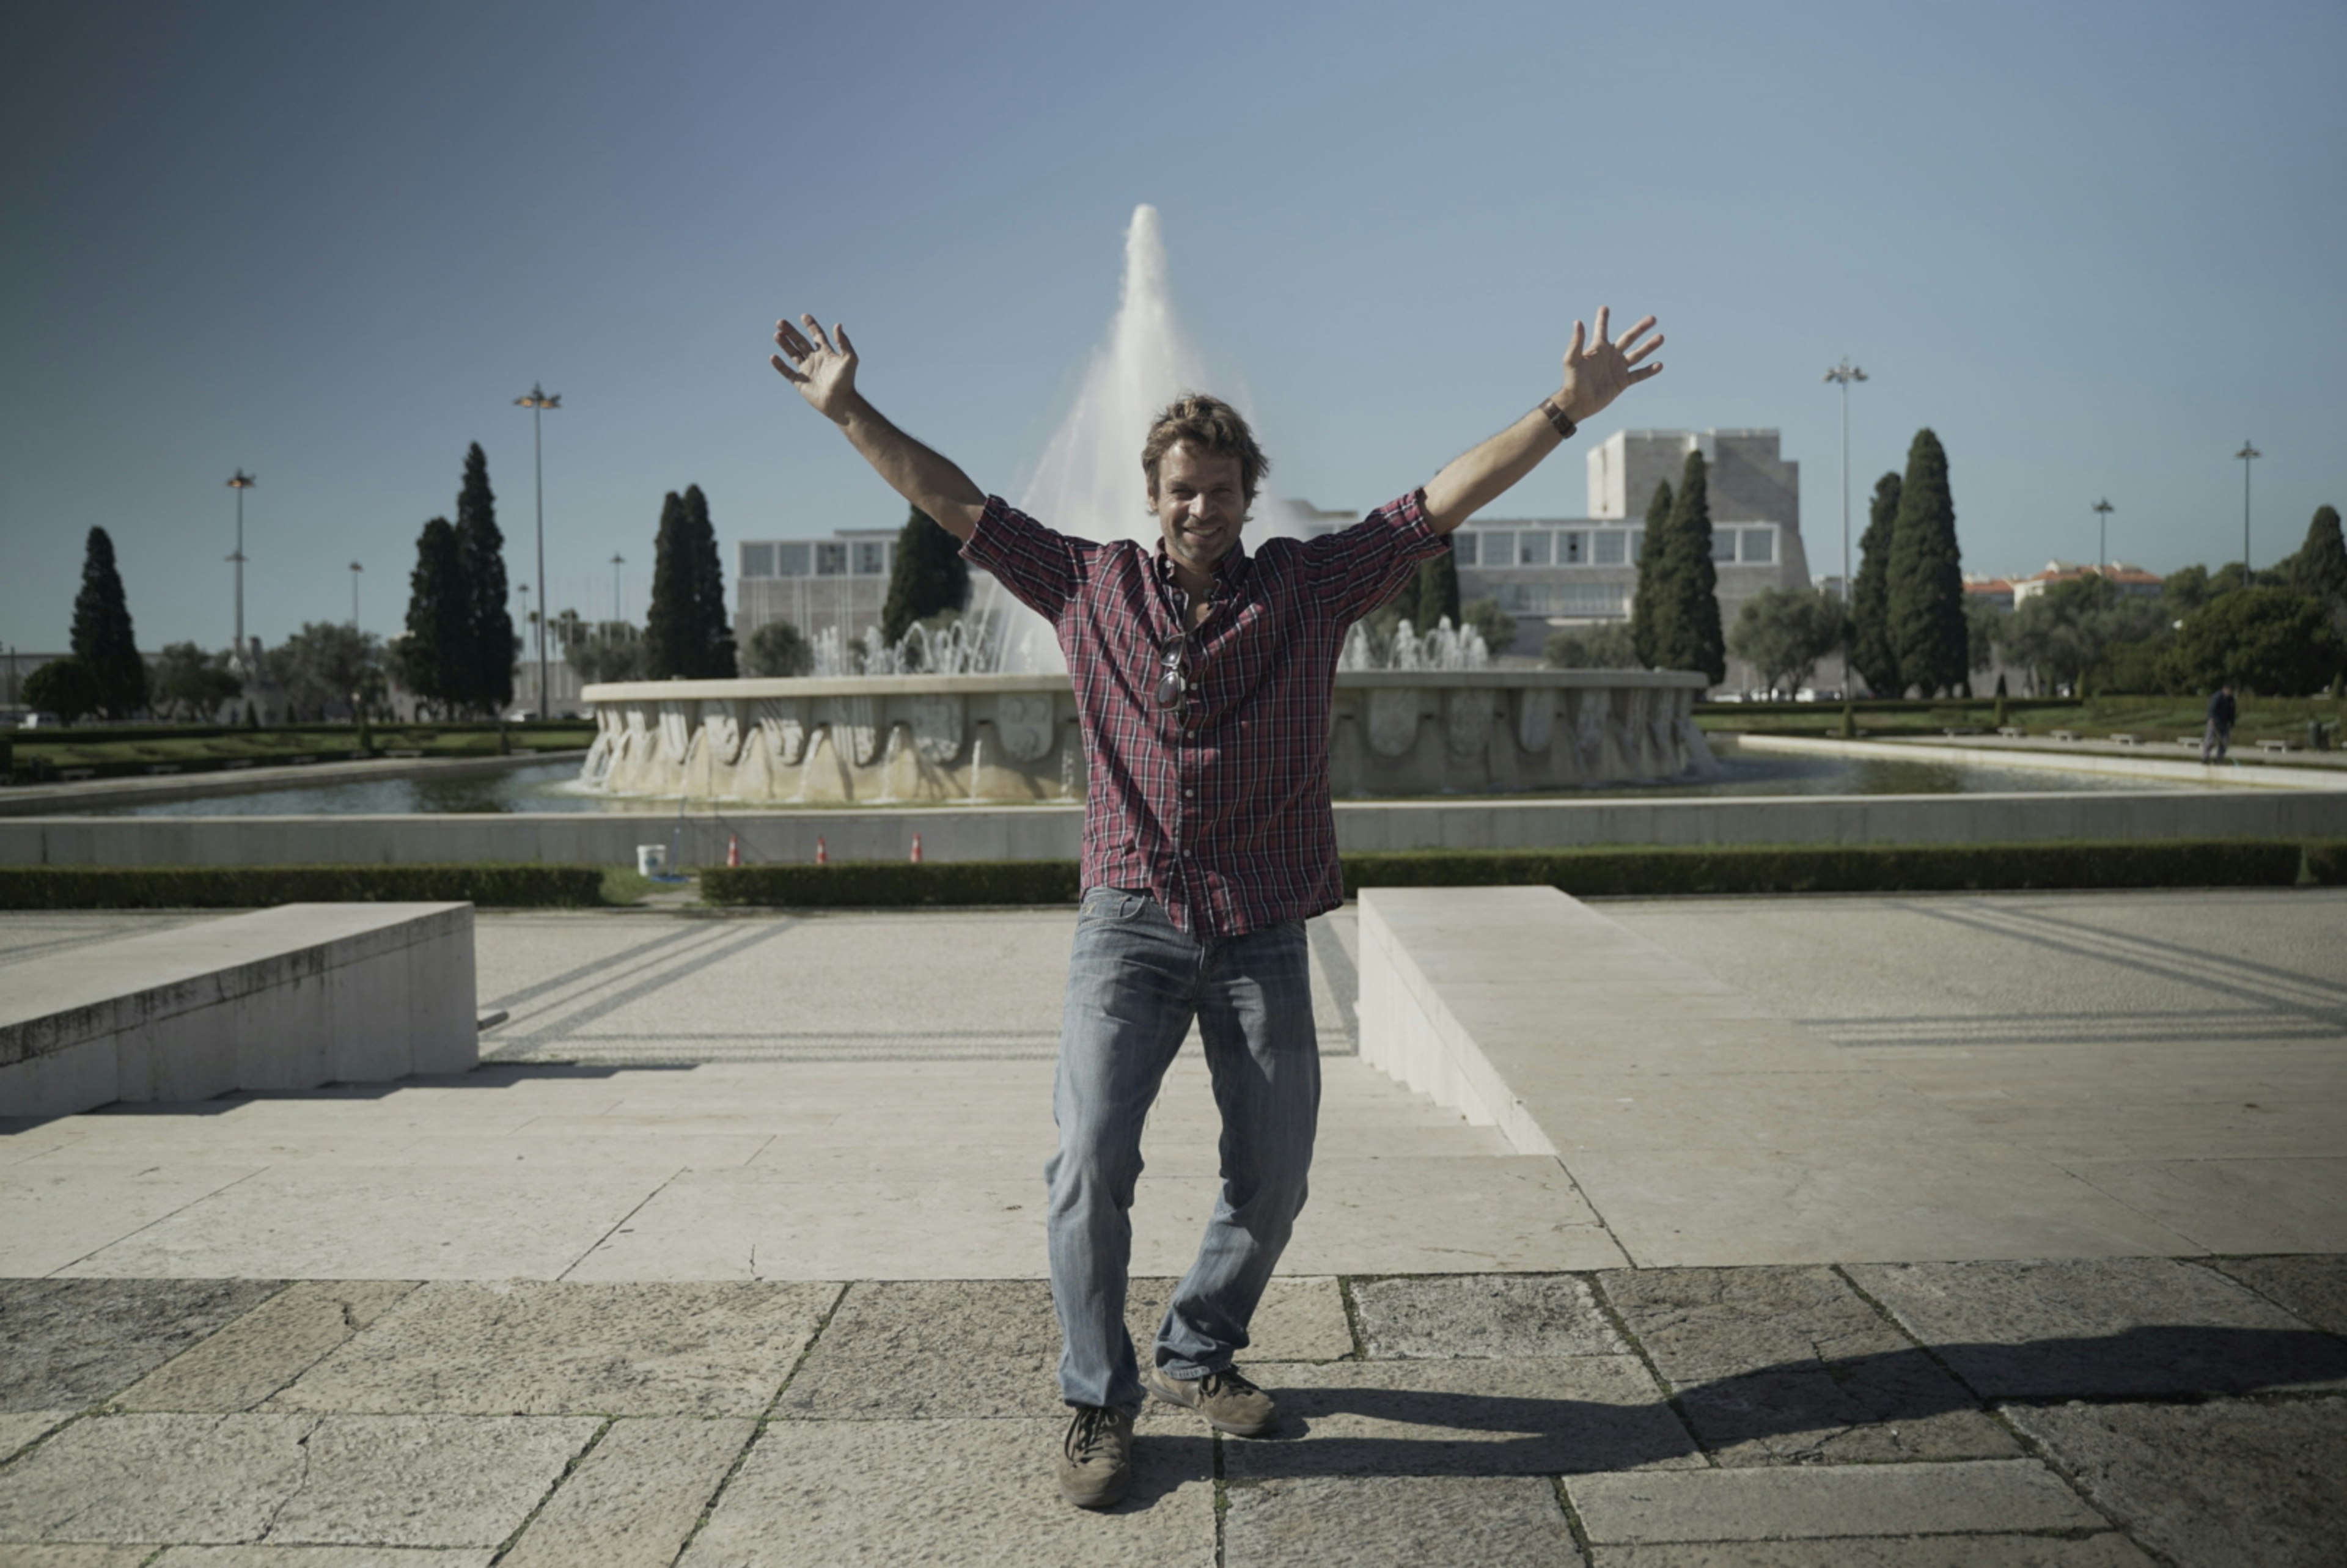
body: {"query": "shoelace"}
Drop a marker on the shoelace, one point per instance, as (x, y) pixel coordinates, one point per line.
(1234, 1380)
(1087, 1434)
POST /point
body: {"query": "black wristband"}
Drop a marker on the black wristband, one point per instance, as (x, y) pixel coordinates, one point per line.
(1558, 417)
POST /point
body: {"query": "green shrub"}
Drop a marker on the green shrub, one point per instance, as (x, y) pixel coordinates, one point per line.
(1646, 872)
(262, 886)
(892, 883)
(2326, 863)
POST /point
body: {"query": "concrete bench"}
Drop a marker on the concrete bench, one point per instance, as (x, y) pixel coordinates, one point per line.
(2273, 745)
(289, 998)
(2013, 731)
(2063, 735)
(2126, 740)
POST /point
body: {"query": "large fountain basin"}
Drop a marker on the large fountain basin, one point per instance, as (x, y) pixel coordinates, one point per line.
(897, 738)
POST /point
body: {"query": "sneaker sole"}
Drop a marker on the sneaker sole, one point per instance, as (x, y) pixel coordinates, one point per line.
(1114, 1494)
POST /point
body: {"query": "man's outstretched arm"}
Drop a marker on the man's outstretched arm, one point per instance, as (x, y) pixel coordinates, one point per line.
(1595, 376)
(825, 374)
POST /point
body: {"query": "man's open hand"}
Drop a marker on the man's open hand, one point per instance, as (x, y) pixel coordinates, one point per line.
(824, 374)
(1597, 373)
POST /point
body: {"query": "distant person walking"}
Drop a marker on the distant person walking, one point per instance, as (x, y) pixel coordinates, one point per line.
(1204, 677)
(2219, 735)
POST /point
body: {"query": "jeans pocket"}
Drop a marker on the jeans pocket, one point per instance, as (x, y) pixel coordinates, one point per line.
(1111, 903)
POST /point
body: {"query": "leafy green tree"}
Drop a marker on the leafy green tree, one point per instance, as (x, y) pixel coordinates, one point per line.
(1983, 628)
(432, 659)
(613, 651)
(1870, 610)
(1495, 625)
(66, 687)
(2062, 634)
(325, 663)
(1924, 611)
(1438, 592)
(2267, 640)
(1609, 645)
(191, 684)
(102, 638)
(1684, 594)
(484, 664)
(1782, 632)
(927, 578)
(779, 650)
(2319, 567)
(1645, 599)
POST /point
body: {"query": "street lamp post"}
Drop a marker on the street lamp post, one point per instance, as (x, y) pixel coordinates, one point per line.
(1842, 375)
(617, 562)
(2248, 455)
(2103, 510)
(538, 400)
(239, 483)
(355, 569)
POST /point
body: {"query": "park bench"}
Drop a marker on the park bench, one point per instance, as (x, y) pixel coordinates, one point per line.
(2273, 745)
(2126, 740)
(1958, 731)
(2063, 735)
(289, 998)
(406, 752)
(2013, 731)
(2192, 740)
(73, 775)
(162, 767)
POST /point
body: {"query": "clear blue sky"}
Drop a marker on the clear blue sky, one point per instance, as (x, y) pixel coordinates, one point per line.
(2095, 246)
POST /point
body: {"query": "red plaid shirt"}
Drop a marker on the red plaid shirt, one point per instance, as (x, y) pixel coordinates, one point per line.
(1217, 806)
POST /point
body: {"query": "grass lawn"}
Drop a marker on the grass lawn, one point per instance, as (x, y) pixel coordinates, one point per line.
(114, 749)
(2153, 718)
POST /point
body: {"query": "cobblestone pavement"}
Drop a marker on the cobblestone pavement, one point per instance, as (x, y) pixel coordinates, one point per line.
(2118, 1412)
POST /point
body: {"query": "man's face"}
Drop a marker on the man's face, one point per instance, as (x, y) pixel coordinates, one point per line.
(1199, 505)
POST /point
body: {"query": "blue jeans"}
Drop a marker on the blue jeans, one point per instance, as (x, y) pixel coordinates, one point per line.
(1134, 983)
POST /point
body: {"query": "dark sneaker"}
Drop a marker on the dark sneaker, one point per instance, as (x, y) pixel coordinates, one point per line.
(1096, 1457)
(1228, 1401)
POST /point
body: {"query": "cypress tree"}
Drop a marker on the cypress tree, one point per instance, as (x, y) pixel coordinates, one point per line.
(102, 638)
(2319, 567)
(1695, 579)
(485, 665)
(713, 657)
(1870, 641)
(1646, 629)
(433, 655)
(669, 622)
(927, 578)
(1438, 591)
(1924, 603)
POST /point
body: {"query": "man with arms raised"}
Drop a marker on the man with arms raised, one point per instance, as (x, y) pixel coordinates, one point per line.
(1203, 675)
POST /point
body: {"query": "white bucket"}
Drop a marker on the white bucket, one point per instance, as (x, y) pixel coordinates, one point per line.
(652, 859)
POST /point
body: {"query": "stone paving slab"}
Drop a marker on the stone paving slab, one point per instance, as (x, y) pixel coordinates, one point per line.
(636, 1496)
(1483, 1316)
(2102, 1327)
(886, 1493)
(1521, 1417)
(908, 1350)
(1818, 1502)
(1396, 1521)
(20, 1429)
(2109, 1551)
(2211, 1485)
(1790, 1366)
(29, 1556)
(373, 1481)
(259, 1354)
(2312, 1288)
(536, 1347)
(322, 1557)
(52, 1217)
(2269, 1204)
(72, 1342)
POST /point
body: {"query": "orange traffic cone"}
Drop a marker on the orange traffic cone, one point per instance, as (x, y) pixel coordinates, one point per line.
(917, 849)
(821, 855)
(732, 850)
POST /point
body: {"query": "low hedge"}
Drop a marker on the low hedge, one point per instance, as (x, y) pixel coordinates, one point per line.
(262, 886)
(894, 883)
(1641, 872)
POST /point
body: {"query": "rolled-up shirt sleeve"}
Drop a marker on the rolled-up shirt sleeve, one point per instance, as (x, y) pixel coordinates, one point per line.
(1042, 569)
(1359, 567)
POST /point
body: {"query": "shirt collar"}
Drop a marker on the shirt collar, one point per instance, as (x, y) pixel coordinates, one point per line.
(1230, 573)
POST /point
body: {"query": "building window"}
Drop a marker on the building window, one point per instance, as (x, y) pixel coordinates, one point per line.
(1759, 547)
(791, 559)
(1499, 548)
(1723, 543)
(1463, 544)
(1524, 598)
(871, 558)
(757, 561)
(1533, 547)
(1609, 546)
(1573, 548)
(1589, 600)
(830, 560)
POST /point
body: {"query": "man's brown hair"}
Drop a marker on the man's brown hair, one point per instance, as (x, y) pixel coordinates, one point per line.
(1212, 426)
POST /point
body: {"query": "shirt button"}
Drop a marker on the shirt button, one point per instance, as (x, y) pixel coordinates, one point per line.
(1189, 795)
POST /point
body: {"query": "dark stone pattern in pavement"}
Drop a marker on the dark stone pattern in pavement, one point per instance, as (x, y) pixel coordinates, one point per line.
(2056, 1415)
(75, 1341)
